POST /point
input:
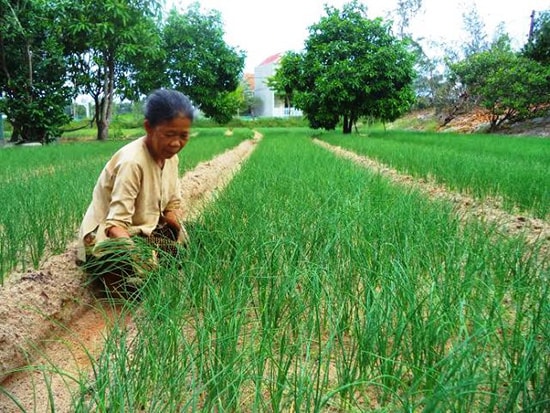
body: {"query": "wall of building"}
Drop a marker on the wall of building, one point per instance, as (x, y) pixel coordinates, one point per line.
(270, 105)
(262, 92)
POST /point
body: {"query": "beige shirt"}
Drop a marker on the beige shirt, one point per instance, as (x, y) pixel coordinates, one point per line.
(132, 192)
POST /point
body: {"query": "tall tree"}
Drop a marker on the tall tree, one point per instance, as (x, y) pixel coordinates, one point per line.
(286, 77)
(351, 67)
(429, 80)
(538, 44)
(245, 97)
(475, 29)
(200, 63)
(107, 37)
(405, 11)
(511, 87)
(32, 69)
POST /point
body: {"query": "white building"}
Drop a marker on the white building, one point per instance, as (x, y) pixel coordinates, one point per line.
(269, 104)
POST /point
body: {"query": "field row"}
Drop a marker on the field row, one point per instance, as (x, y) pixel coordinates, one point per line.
(44, 192)
(313, 284)
(42, 187)
(513, 169)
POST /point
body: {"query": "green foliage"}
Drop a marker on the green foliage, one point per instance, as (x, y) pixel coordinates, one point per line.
(284, 80)
(477, 36)
(44, 191)
(509, 85)
(245, 97)
(351, 67)
(107, 39)
(265, 122)
(32, 70)
(222, 107)
(538, 46)
(200, 63)
(405, 11)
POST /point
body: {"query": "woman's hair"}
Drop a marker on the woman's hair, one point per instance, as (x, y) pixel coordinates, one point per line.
(165, 104)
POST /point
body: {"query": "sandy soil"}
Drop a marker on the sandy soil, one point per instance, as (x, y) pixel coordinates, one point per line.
(52, 326)
(48, 319)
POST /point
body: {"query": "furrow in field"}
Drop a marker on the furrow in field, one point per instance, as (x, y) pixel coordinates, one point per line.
(488, 210)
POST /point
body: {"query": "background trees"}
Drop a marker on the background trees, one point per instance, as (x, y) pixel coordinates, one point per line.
(200, 63)
(50, 51)
(351, 67)
(32, 70)
(510, 86)
(538, 45)
(106, 38)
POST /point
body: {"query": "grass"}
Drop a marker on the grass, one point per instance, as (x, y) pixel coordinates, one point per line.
(314, 285)
(210, 141)
(131, 126)
(510, 168)
(420, 120)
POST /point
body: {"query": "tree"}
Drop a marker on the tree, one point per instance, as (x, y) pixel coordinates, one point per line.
(429, 80)
(245, 97)
(286, 76)
(475, 28)
(351, 67)
(510, 86)
(538, 44)
(107, 38)
(32, 70)
(405, 11)
(200, 63)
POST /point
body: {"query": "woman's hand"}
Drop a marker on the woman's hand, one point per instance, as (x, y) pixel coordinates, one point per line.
(171, 219)
(117, 232)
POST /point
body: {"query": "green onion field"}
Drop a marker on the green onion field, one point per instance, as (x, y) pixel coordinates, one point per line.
(44, 191)
(315, 285)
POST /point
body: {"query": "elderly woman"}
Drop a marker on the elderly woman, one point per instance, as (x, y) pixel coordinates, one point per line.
(136, 197)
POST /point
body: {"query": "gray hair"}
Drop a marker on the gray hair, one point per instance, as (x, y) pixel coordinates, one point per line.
(165, 104)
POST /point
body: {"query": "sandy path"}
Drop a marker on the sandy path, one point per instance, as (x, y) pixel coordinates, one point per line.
(47, 313)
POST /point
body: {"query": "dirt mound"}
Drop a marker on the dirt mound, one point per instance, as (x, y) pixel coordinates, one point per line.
(34, 303)
(475, 121)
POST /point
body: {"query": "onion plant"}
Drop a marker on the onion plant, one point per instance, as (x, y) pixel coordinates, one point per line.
(312, 284)
(513, 169)
(44, 191)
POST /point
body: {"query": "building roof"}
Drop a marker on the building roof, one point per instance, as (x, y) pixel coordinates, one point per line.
(272, 59)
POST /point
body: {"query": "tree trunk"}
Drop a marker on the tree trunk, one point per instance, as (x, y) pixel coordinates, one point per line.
(101, 134)
(348, 123)
(16, 132)
(104, 109)
(102, 130)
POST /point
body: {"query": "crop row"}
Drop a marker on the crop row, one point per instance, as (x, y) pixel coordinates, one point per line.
(514, 169)
(312, 284)
(44, 192)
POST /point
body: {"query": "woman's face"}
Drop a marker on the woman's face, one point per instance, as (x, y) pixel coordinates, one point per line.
(167, 138)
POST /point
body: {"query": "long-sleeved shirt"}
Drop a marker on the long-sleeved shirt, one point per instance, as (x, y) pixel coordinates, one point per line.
(132, 192)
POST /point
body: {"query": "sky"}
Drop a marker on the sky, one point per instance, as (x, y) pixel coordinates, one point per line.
(262, 28)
